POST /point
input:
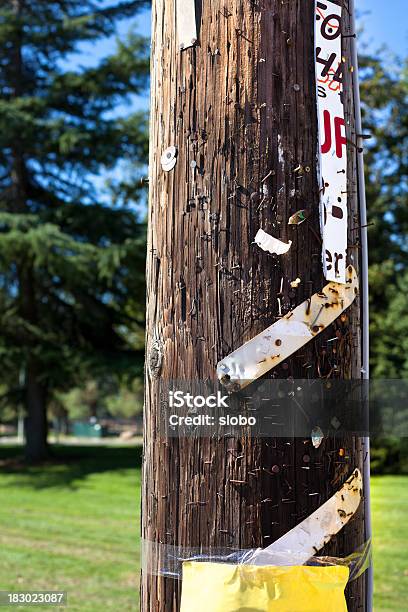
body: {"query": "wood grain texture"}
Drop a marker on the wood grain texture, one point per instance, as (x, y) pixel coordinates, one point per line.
(240, 107)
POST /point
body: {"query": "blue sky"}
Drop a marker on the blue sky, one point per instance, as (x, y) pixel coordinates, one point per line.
(384, 22)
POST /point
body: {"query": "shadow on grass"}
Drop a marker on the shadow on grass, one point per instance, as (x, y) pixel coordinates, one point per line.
(68, 464)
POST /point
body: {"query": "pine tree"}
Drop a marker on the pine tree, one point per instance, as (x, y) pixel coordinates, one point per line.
(71, 264)
(385, 98)
(385, 104)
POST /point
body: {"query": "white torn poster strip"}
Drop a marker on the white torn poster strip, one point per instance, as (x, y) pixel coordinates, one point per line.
(332, 138)
(308, 537)
(270, 244)
(269, 348)
(186, 25)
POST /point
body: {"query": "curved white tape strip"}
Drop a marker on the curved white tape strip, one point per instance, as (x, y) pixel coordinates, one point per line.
(307, 538)
(269, 348)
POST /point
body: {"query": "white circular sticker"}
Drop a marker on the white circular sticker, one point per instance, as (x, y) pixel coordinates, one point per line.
(169, 158)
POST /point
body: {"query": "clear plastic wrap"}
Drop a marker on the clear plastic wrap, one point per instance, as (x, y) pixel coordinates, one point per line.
(167, 560)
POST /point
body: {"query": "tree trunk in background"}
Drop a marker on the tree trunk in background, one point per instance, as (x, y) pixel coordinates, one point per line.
(36, 427)
(241, 109)
(35, 391)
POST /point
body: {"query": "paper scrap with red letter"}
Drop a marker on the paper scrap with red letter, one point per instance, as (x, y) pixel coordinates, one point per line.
(332, 138)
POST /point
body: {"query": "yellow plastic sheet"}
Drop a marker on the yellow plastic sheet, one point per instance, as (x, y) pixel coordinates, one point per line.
(219, 587)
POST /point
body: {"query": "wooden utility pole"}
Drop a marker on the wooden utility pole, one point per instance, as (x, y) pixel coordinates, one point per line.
(240, 108)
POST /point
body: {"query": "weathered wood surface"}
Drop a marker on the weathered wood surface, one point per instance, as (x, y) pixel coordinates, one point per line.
(240, 107)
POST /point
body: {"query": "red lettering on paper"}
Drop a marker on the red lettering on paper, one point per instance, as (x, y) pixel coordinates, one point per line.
(326, 146)
(339, 135)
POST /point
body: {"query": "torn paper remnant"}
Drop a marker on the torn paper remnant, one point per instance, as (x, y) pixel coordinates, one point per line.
(186, 24)
(332, 139)
(270, 244)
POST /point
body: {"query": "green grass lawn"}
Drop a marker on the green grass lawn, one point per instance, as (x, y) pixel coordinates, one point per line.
(390, 542)
(74, 525)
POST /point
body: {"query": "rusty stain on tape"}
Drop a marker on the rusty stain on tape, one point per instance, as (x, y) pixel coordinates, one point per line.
(276, 343)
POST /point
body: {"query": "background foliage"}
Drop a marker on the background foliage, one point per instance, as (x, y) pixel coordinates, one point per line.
(71, 254)
(72, 232)
(384, 91)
